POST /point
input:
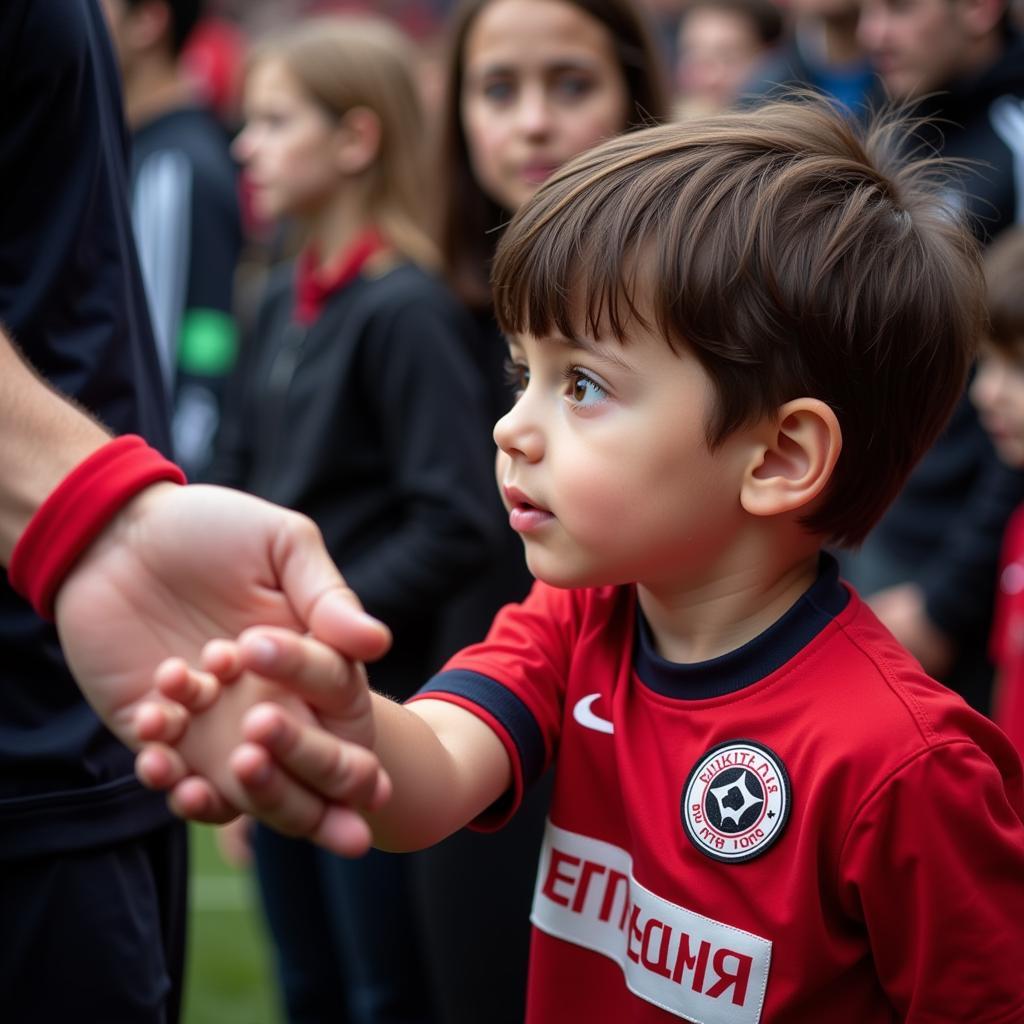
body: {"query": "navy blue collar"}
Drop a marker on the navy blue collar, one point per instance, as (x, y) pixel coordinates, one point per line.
(759, 657)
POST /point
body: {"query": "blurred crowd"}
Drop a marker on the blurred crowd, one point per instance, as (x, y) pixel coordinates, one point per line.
(317, 190)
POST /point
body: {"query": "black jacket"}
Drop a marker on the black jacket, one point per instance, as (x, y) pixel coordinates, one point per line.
(372, 423)
(71, 294)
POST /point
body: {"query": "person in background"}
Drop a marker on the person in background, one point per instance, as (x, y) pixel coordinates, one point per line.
(356, 403)
(998, 393)
(529, 84)
(929, 568)
(721, 43)
(185, 210)
(824, 55)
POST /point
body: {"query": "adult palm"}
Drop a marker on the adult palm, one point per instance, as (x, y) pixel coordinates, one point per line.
(181, 566)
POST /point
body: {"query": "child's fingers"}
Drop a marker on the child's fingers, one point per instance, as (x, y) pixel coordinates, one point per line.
(159, 767)
(159, 722)
(341, 772)
(193, 689)
(220, 658)
(281, 803)
(310, 669)
(273, 796)
(344, 832)
(194, 799)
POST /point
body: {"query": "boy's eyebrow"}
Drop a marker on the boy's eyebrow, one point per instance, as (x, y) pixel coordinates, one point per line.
(603, 353)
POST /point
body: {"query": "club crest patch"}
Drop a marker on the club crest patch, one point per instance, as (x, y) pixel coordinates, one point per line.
(736, 801)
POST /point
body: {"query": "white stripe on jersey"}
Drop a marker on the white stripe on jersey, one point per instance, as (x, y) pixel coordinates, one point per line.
(690, 965)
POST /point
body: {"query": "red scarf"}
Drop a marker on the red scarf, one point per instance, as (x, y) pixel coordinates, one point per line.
(314, 284)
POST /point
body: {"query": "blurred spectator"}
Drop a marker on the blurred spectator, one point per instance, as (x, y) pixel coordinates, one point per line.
(356, 403)
(185, 213)
(530, 84)
(720, 44)
(823, 54)
(930, 565)
(213, 57)
(998, 393)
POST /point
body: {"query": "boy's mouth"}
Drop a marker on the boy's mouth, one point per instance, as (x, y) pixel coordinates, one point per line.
(523, 514)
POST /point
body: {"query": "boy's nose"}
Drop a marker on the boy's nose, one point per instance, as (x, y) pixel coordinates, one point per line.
(516, 436)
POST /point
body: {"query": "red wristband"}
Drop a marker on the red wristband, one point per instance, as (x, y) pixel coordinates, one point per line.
(78, 509)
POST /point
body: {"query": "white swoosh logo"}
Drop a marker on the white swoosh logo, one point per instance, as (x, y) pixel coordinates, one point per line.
(584, 714)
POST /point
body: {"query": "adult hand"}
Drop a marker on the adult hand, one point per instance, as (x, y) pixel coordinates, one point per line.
(183, 565)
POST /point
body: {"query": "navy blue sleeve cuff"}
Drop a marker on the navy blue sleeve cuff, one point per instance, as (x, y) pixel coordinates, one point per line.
(503, 705)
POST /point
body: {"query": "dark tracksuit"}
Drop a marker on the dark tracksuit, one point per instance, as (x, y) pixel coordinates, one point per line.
(92, 866)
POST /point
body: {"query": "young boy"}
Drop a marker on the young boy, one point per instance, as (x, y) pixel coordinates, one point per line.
(998, 392)
(732, 340)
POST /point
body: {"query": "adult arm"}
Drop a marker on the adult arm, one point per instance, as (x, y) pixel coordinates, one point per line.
(174, 568)
(45, 436)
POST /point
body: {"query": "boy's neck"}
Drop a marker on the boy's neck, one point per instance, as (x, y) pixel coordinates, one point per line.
(699, 622)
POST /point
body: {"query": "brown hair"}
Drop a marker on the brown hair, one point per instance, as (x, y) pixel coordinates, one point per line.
(793, 254)
(469, 219)
(345, 61)
(1004, 284)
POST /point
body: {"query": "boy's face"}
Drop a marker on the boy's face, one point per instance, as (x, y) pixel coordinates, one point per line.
(605, 467)
(998, 393)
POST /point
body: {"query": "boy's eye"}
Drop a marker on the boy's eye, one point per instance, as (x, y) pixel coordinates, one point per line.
(517, 376)
(584, 391)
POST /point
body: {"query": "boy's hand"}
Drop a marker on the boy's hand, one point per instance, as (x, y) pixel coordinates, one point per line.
(277, 753)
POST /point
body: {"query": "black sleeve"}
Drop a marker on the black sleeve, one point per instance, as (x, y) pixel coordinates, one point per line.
(959, 583)
(70, 288)
(434, 428)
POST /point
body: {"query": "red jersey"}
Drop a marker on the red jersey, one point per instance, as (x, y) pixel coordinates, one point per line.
(1008, 635)
(807, 829)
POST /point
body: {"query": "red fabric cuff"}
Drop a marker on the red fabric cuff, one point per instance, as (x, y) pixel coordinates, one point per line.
(78, 509)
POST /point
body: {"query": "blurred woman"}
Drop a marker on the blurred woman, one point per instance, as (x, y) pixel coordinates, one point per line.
(357, 404)
(529, 85)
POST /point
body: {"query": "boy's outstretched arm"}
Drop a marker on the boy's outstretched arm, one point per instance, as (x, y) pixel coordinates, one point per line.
(445, 765)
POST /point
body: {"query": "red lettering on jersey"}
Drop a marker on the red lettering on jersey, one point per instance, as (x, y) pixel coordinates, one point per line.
(634, 933)
(589, 870)
(554, 876)
(686, 961)
(611, 891)
(659, 965)
(737, 979)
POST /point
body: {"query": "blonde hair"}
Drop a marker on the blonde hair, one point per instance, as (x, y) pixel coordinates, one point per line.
(342, 62)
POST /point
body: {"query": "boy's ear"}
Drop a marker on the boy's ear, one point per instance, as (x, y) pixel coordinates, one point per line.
(359, 139)
(793, 460)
